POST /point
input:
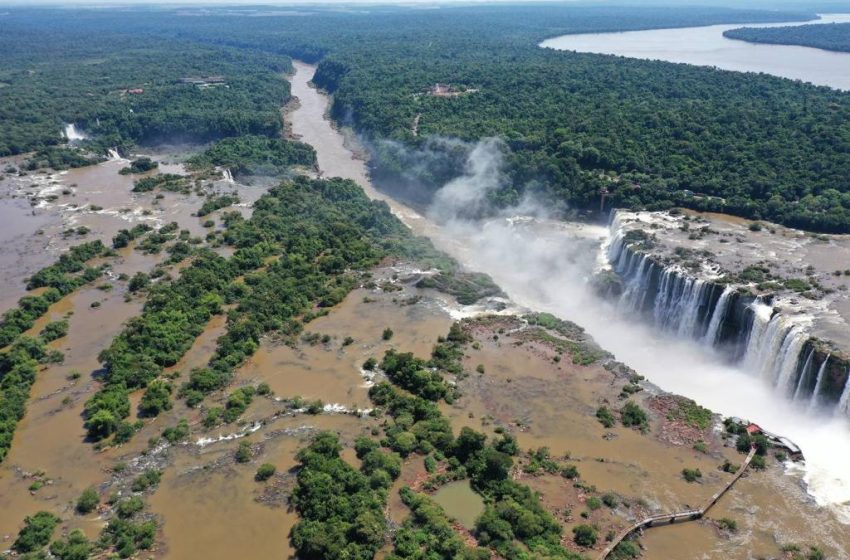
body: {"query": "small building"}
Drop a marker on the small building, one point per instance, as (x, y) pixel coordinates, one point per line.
(754, 429)
(136, 91)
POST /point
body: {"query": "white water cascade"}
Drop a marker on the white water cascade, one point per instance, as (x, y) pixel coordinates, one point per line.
(718, 316)
(843, 407)
(227, 175)
(763, 336)
(113, 154)
(72, 134)
(813, 403)
(804, 373)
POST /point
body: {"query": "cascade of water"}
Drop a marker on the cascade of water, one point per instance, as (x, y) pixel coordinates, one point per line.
(813, 402)
(768, 356)
(228, 176)
(789, 359)
(717, 316)
(636, 284)
(689, 321)
(72, 134)
(113, 154)
(844, 402)
(761, 318)
(804, 374)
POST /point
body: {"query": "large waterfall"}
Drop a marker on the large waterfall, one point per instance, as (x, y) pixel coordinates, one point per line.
(755, 332)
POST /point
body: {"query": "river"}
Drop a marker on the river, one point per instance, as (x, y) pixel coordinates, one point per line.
(543, 265)
(706, 46)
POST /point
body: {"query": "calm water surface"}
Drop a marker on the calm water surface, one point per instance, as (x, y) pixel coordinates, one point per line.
(706, 46)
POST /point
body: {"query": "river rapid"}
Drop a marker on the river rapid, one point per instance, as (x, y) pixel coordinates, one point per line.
(544, 265)
(706, 46)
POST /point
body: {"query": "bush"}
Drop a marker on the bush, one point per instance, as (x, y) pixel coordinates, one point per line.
(728, 524)
(691, 475)
(634, 415)
(593, 503)
(610, 500)
(387, 334)
(265, 472)
(53, 331)
(758, 463)
(584, 535)
(243, 452)
(129, 507)
(605, 416)
(147, 479)
(36, 532)
(88, 501)
(570, 472)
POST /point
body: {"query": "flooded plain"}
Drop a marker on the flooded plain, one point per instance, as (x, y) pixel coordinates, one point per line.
(210, 506)
(543, 265)
(706, 46)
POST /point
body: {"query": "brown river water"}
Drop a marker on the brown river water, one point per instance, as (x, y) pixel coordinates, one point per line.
(210, 507)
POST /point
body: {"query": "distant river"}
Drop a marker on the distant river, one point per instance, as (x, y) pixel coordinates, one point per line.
(706, 46)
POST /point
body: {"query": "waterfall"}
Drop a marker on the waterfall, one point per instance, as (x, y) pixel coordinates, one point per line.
(769, 343)
(844, 402)
(72, 134)
(113, 154)
(789, 359)
(718, 315)
(813, 403)
(227, 175)
(690, 308)
(804, 373)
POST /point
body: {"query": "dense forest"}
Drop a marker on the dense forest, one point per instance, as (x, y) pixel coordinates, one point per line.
(150, 90)
(649, 134)
(830, 36)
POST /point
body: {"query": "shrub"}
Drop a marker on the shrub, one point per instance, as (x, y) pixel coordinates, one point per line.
(634, 415)
(243, 452)
(691, 475)
(570, 472)
(584, 535)
(129, 507)
(265, 472)
(610, 500)
(728, 524)
(593, 503)
(88, 500)
(387, 334)
(36, 532)
(605, 416)
(147, 479)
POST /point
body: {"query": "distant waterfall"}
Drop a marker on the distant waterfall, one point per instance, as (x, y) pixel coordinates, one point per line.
(72, 134)
(113, 154)
(768, 342)
(227, 175)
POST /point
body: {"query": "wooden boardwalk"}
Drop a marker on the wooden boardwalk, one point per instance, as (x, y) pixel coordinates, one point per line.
(679, 516)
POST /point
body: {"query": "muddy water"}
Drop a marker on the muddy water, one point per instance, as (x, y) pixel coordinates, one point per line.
(558, 414)
(460, 502)
(331, 372)
(50, 438)
(41, 207)
(213, 508)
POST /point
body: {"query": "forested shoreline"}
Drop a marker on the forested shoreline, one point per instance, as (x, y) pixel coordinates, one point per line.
(829, 37)
(648, 134)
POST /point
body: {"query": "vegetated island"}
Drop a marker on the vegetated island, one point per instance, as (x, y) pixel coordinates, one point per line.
(827, 36)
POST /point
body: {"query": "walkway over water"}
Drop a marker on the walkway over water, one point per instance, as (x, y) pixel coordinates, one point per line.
(679, 516)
